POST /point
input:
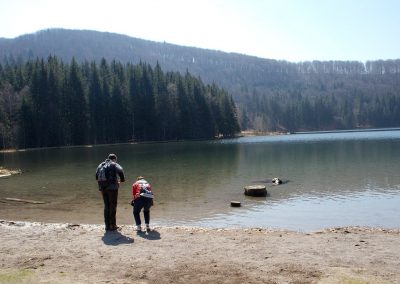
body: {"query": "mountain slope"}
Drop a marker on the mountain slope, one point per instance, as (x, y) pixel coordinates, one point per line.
(227, 69)
(271, 95)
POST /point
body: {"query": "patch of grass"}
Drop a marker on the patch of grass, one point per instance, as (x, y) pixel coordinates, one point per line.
(17, 276)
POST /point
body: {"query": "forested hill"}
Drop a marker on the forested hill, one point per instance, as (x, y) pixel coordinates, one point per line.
(46, 102)
(271, 95)
(85, 45)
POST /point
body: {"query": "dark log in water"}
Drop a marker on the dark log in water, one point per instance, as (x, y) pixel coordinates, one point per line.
(235, 204)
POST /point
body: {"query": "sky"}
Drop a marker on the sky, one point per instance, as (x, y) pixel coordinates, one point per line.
(291, 30)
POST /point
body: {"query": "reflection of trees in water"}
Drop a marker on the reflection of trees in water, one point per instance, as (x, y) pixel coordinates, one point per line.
(187, 177)
(198, 177)
(191, 169)
(323, 168)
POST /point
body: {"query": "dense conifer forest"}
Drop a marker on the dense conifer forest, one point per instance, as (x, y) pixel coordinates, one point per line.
(47, 102)
(269, 95)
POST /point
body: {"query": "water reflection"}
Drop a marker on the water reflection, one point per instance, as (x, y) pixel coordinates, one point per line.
(354, 175)
(182, 175)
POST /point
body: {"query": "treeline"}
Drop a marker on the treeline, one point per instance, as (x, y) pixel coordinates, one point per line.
(270, 95)
(378, 67)
(46, 102)
(323, 96)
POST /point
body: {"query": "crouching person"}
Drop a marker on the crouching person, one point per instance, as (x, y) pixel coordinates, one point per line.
(142, 199)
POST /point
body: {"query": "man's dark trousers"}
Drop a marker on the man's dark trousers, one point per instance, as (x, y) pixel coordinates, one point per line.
(110, 198)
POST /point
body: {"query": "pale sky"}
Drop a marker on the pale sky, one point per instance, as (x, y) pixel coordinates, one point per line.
(292, 30)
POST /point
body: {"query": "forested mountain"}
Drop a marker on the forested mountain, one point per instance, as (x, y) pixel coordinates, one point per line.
(271, 95)
(47, 102)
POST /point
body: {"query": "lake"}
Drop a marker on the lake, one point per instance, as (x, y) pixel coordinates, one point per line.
(330, 180)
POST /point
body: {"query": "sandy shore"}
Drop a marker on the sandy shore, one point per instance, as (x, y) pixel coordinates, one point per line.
(76, 253)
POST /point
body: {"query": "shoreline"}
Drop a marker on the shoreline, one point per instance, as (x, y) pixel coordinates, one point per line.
(244, 133)
(4, 172)
(241, 134)
(85, 253)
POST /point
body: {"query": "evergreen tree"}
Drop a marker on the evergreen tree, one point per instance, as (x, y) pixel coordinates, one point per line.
(40, 103)
(97, 114)
(54, 117)
(76, 106)
(53, 104)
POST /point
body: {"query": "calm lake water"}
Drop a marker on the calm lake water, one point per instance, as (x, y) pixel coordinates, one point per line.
(330, 180)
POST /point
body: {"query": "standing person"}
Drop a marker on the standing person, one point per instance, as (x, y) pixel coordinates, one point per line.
(109, 174)
(142, 199)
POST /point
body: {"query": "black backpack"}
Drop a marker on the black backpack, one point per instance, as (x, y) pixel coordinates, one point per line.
(106, 174)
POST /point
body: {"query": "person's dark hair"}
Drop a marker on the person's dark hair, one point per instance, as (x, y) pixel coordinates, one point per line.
(112, 157)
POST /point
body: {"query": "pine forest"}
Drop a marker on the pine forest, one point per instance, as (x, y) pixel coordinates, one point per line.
(48, 103)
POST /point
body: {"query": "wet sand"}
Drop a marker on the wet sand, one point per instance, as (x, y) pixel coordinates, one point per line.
(78, 253)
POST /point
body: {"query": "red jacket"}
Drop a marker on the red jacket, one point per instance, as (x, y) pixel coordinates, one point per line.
(142, 183)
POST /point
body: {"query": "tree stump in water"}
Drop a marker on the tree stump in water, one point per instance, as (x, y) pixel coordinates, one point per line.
(255, 190)
(235, 204)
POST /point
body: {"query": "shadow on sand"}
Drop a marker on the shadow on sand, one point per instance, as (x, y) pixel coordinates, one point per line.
(150, 235)
(114, 238)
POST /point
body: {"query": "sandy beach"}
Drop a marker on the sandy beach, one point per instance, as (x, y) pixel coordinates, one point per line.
(78, 253)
